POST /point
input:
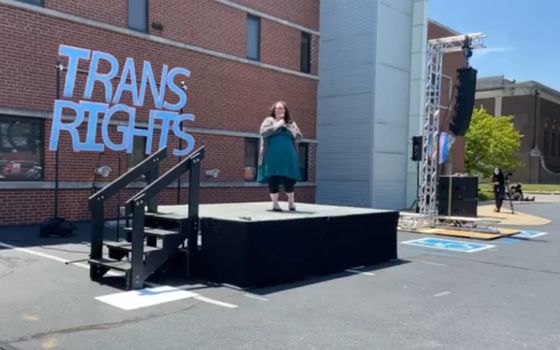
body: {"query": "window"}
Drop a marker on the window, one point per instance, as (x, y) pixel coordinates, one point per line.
(21, 149)
(558, 146)
(138, 154)
(305, 53)
(303, 152)
(138, 151)
(138, 15)
(253, 37)
(251, 159)
(546, 146)
(33, 2)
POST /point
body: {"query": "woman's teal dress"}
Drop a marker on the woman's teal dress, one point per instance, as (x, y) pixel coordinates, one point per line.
(280, 158)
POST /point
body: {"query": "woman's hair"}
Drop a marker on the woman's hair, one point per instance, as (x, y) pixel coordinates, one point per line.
(287, 118)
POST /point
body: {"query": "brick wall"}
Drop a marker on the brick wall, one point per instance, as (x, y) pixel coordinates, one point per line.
(488, 104)
(302, 12)
(20, 207)
(277, 41)
(223, 94)
(203, 23)
(212, 25)
(107, 11)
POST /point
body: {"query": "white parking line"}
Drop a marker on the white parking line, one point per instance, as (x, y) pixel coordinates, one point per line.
(253, 296)
(442, 294)
(85, 266)
(360, 272)
(198, 296)
(215, 302)
(231, 286)
(51, 257)
(32, 252)
(432, 263)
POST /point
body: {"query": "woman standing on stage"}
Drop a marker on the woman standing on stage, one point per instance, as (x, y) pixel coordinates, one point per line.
(278, 156)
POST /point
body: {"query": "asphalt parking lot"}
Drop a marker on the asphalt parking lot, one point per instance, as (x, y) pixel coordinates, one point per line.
(502, 297)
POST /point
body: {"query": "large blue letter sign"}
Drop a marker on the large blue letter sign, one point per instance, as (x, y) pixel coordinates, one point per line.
(103, 68)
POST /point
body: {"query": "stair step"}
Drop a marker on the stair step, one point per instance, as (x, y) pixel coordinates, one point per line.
(168, 216)
(127, 246)
(157, 232)
(112, 264)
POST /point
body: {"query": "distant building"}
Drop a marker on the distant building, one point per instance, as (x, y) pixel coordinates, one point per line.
(536, 111)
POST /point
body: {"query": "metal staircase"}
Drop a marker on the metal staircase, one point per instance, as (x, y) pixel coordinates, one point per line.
(154, 237)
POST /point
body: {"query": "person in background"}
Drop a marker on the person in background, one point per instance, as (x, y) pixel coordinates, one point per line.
(499, 184)
(278, 156)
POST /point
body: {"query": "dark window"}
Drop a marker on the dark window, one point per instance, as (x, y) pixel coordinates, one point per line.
(33, 2)
(21, 149)
(305, 52)
(138, 154)
(303, 151)
(251, 159)
(138, 15)
(546, 146)
(138, 151)
(253, 37)
(553, 151)
(558, 146)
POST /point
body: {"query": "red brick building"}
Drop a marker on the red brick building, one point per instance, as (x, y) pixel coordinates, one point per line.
(536, 111)
(243, 56)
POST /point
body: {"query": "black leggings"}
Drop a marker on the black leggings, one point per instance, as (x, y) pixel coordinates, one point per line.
(499, 192)
(274, 184)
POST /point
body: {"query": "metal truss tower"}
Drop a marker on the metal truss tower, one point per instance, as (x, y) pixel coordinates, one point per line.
(427, 201)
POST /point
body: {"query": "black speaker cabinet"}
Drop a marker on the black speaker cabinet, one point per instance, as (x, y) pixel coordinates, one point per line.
(465, 207)
(457, 196)
(465, 101)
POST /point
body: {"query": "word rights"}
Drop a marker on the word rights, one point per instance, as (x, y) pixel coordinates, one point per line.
(166, 112)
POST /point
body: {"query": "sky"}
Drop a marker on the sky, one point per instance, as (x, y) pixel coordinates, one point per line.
(523, 36)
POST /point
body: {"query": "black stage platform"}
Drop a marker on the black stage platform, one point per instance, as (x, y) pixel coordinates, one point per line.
(248, 245)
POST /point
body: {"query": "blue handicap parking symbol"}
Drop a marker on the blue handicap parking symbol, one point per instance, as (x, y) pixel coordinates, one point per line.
(447, 244)
(529, 234)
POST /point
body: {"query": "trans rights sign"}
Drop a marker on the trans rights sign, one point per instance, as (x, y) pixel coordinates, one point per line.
(100, 113)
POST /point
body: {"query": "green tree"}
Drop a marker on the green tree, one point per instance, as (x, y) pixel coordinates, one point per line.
(491, 142)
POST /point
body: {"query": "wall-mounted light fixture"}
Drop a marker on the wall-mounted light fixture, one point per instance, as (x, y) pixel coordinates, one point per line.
(157, 26)
(212, 173)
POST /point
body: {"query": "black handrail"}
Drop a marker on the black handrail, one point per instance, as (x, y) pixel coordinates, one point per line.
(137, 205)
(96, 201)
(126, 178)
(166, 179)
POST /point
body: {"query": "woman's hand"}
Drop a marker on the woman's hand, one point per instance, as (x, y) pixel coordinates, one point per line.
(295, 131)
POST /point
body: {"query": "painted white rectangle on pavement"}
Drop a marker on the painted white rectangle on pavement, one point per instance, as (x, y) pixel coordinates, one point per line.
(145, 297)
(529, 234)
(448, 244)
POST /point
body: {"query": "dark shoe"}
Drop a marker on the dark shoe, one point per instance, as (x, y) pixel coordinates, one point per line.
(276, 209)
(293, 209)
